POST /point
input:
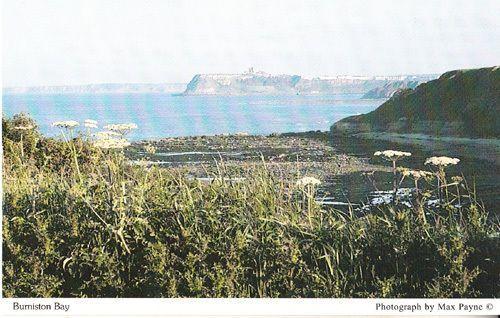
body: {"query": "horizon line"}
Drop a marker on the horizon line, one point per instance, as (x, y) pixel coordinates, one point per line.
(243, 73)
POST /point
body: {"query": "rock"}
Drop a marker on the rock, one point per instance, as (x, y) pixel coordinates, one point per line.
(392, 88)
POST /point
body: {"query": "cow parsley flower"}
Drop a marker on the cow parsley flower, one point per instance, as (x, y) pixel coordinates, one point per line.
(392, 154)
(106, 134)
(441, 161)
(89, 125)
(27, 127)
(457, 179)
(68, 124)
(111, 143)
(90, 121)
(305, 181)
(122, 129)
(150, 149)
(416, 174)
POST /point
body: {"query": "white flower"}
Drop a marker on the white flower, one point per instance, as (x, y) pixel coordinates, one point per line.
(392, 154)
(89, 125)
(307, 181)
(121, 128)
(111, 143)
(68, 124)
(442, 161)
(27, 127)
(416, 174)
(150, 149)
(90, 121)
(106, 134)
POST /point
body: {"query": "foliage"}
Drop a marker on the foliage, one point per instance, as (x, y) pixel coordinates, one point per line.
(112, 229)
(460, 102)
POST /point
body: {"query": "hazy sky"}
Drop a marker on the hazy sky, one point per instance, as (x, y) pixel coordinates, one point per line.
(77, 42)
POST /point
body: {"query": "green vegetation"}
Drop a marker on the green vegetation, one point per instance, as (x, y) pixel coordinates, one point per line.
(79, 221)
(458, 103)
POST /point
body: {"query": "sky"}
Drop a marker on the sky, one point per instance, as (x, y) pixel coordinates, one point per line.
(69, 42)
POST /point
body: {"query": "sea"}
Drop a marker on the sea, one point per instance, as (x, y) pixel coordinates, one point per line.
(174, 115)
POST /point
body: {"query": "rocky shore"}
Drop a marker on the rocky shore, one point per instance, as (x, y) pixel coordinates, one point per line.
(341, 162)
(288, 155)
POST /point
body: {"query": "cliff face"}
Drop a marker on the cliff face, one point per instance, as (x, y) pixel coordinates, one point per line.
(390, 89)
(262, 83)
(241, 84)
(458, 103)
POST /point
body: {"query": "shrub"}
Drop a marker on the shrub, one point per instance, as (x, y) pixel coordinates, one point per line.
(122, 230)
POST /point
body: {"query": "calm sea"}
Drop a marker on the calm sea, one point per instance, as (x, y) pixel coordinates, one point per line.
(166, 115)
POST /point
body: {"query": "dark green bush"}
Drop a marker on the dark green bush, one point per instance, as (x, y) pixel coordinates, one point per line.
(119, 230)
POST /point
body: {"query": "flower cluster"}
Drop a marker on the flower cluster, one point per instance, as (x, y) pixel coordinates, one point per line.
(441, 161)
(121, 128)
(416, 174)
(106, 134)
(307, 181)
(89, 123)
(150, 149)
(27, 127)
(457, 179)
(111, 143)
(68, 124)
(112, 138)
(392, 154)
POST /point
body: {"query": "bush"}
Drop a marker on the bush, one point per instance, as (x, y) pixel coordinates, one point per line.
(121, 230)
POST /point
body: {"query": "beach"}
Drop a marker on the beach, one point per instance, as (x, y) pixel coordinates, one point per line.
(343, 163)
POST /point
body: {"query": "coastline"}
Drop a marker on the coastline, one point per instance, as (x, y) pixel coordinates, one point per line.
(340, 161)
(290, 153)
(287, 156)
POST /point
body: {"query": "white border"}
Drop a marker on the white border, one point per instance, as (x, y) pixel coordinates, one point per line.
(185, 307)
(223, 307)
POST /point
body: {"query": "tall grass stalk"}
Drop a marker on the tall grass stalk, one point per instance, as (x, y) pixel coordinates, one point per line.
(125, 230)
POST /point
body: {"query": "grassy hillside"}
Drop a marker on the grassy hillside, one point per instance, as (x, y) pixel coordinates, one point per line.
(458, 103)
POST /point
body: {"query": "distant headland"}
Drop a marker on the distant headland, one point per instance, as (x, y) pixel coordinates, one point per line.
(248, 83)
(258, 82)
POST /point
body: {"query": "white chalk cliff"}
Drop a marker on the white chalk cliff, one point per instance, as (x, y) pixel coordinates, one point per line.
(250, 83)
